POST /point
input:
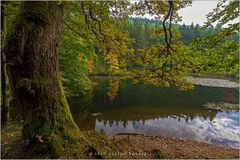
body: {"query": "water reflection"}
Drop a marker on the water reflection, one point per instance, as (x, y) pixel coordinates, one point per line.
(158, 111)
(113, 88)
(223, 129)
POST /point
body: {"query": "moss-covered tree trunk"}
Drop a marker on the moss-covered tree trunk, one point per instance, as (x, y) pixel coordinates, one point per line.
(4, 79)
(5, 91)
(33, 69)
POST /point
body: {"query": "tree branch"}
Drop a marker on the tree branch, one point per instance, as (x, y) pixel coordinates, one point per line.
(80, 34)
(169, 14)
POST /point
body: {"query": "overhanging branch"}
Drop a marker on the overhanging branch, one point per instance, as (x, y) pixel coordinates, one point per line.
(73, 30)
(169, 15)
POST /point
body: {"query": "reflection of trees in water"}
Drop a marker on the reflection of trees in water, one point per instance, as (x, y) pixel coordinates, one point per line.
(129, 103)
(86, 121)
(81, 108)
(113, 88)
(125, 121)
(228, 96)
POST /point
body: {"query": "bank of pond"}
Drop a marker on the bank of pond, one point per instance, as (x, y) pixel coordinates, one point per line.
(153, 111)
(143, 121)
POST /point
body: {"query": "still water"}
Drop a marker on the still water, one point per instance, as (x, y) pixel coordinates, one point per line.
(122, 107)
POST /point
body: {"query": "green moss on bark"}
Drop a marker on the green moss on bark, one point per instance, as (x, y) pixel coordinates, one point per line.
(24, 83)
(39, 13)
(32, 52)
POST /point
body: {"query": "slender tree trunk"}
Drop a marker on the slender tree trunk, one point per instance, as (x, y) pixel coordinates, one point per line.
(4, 82)
(33, 67)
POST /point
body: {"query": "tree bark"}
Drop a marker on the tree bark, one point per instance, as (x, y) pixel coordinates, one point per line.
(4, 82)
(33, 69)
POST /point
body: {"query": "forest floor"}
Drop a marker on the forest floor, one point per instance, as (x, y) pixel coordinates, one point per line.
(128, 146)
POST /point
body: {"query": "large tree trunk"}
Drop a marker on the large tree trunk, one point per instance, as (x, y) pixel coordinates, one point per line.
(33, 69)
(4, 82)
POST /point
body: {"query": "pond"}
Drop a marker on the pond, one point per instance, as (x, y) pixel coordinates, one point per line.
(122, 107)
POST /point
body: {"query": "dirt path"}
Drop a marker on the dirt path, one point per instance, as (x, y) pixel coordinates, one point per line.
(139, 146)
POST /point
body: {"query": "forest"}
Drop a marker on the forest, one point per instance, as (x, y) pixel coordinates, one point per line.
(98, 79)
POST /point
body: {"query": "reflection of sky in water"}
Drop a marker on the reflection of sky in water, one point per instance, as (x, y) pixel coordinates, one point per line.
(224, 129)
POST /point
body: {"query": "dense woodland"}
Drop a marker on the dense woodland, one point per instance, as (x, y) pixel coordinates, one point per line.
(141, 28)
(50, 49)
(142, 34)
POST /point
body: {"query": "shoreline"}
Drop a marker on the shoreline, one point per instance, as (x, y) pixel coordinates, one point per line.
(223, 81)
(131, 146)
(222, 106)
(142, 146)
